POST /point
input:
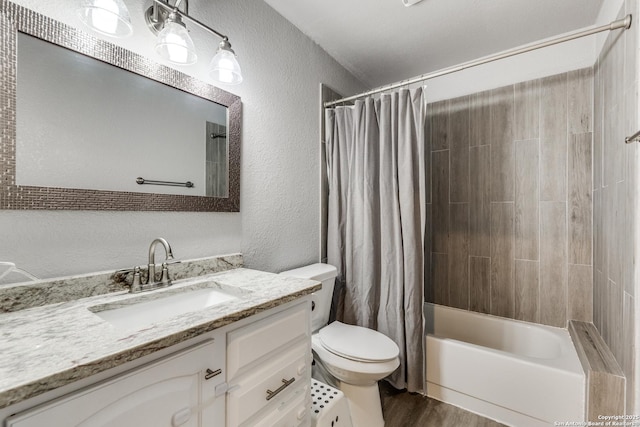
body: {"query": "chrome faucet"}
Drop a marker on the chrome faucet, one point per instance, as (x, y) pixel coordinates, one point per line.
(164, 280)
(137, 285)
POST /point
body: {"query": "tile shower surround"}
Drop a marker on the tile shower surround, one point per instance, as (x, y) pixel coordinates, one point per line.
(531, 204)
(510, 207)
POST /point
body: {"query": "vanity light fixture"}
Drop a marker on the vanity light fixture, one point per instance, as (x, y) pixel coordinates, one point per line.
(175, 45)
(109, 17)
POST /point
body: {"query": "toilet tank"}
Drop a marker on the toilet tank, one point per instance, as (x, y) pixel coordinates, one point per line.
(326, 274)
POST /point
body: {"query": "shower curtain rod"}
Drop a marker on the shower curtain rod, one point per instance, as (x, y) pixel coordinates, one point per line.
(624, 23)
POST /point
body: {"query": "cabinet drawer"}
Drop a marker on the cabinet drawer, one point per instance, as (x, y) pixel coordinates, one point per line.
(270, 385)
(248, 344)
(292, 414)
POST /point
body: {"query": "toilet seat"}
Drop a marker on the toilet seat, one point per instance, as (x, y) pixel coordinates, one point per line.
(349, 370)
(357, 343)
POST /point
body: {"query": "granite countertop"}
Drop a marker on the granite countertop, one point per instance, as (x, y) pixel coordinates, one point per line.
(49, 346)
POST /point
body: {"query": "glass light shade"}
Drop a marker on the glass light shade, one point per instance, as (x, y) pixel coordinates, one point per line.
(224, 68)
(109, 17)
(175, 45)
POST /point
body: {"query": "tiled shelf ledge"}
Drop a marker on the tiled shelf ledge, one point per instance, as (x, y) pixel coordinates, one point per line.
(605, 391)
(22, 296)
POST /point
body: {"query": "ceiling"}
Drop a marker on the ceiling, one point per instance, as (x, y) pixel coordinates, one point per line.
(382, 41)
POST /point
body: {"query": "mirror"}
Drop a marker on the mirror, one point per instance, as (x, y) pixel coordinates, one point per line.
(135, 135)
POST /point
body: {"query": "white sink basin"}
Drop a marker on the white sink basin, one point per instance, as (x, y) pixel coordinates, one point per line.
(137, 313)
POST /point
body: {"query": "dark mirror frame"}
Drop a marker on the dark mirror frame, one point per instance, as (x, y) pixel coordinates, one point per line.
(14, 19)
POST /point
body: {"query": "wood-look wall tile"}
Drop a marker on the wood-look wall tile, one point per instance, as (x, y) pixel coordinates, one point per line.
(606, 313)
(580, 293)
(480, 117)
(613, 87)
(631, 44)
(440, 196)
(502, 115)
(502, 260)
(613, 54)
(597, 125)
(527, 219)
(600, 217)
(617, 343)
(580, 200)
(628, 337)
(480, 284)
(607, 104)
(617, 232)
(480, 209)
(598, 249)
(502, 152)
(440, 278)
(440, 125)
(527, 110)
(597, 299)
(613, 151)
(527, 286)
(553, 138)
(609, 298)
(459, 147)
(429, 291)
(580, 95)
(553, 264)
(429, 146)
(631, 152)
(618, 63)
(502, 173)
(459, 256)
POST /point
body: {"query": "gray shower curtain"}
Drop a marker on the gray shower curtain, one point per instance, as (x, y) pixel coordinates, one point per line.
(376, 168)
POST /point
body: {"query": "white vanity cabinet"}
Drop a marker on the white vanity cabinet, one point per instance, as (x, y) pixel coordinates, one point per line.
(253, 372)
(268, 371)
(178, 390)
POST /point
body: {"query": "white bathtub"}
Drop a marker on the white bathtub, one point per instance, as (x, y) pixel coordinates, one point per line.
(519, 373)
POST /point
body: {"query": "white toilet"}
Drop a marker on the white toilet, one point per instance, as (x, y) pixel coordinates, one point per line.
(356, 358)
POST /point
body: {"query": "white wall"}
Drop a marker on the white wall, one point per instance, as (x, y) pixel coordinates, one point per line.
(278, 226)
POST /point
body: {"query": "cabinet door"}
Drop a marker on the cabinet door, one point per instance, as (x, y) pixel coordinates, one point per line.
(168, 393)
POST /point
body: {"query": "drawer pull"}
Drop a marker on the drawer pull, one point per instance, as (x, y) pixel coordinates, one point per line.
(210, 374)
(285, 384)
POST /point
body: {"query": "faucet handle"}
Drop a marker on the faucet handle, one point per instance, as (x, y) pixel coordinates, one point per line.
(136, 285)
(165, 280)
(136, 281)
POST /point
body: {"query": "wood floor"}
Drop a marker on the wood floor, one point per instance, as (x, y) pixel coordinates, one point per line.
(402, 409)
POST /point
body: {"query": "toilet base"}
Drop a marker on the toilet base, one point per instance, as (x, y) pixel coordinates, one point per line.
(364, 404)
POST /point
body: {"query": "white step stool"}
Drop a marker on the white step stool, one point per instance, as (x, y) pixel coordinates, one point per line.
(329, 406)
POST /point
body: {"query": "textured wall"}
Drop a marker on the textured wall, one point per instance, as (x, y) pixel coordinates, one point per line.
(615, 195)
(278, 226)
(510, 205)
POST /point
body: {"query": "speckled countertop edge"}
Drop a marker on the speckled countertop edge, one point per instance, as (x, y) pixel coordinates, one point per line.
(47, 347)
(21, 296)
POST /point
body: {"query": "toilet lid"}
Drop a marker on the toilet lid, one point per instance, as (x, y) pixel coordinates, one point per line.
(358, 343)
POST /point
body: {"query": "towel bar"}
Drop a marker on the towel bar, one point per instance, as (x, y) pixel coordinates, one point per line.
(141, 181)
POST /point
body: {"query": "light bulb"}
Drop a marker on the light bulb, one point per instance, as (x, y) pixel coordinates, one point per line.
(224, 67)
(109, 17)
(175, 45)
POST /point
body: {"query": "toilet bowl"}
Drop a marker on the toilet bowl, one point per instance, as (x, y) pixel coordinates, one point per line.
(356, 358)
